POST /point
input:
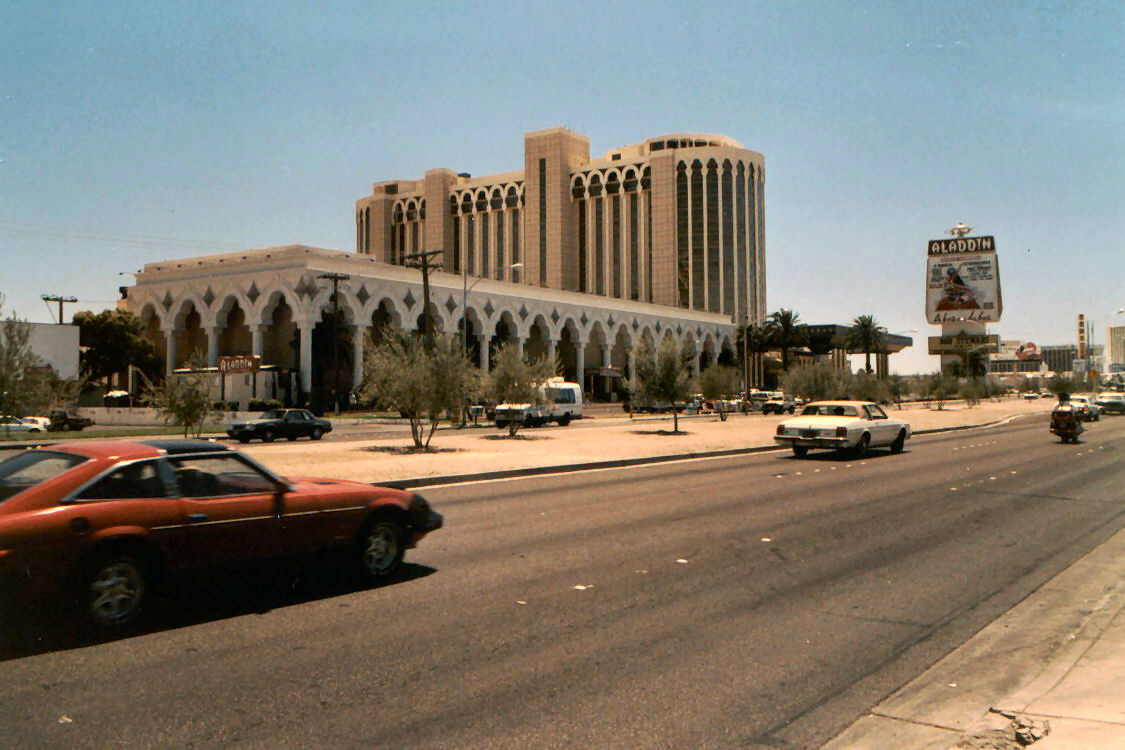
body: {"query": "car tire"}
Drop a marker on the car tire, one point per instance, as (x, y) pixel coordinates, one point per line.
(290, 438)
(267, 436)
(115, 588)
(316, 433)
(243, 439)
(899, 443)
(800, 451)
(564, 420)
(379, 548)
(860, 449)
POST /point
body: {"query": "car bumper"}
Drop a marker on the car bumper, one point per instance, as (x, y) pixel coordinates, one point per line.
(812, 442)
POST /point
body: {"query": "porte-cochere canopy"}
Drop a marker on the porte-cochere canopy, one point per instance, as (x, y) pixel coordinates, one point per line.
(277, 303)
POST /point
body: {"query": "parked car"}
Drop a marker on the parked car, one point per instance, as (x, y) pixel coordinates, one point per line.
(1087, 410)
(65, 421)
(280, 423)
(107, 522)
(853, 426)
(1111, 402)
(43, 422)
(11, 425)
(780, 405)
(564, 403)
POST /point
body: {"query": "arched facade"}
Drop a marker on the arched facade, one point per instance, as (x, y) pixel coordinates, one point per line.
(277, 304)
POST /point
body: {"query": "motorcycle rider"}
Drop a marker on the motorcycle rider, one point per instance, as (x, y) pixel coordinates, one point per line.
(1064, 419)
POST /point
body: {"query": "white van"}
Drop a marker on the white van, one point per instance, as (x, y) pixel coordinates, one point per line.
(564, 404)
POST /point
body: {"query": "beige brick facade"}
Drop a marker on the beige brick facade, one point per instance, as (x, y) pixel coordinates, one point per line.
(676, 220)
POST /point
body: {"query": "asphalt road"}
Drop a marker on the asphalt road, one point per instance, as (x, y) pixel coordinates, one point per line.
(758, 601)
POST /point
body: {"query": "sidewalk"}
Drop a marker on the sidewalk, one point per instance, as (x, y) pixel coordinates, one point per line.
(1051, 667)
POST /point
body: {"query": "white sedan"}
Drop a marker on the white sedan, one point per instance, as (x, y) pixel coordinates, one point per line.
(10, 424)
(853, 426)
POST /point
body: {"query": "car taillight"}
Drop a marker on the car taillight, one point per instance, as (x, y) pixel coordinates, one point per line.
(781, 429)
(841, 432)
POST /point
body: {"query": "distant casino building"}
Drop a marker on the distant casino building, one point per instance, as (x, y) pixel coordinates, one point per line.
(676, 220)
(569, 256)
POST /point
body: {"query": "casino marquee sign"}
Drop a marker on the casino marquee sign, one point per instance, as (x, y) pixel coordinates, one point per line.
(962, 281)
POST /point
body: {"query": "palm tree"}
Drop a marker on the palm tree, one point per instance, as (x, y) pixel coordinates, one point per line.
(786, 332)
(751, 338)
(866, 335)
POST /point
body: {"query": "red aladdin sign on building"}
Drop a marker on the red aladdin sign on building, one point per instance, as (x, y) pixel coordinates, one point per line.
(241, 363)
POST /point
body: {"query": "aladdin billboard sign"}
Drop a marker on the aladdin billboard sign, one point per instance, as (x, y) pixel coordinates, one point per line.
(962, 281)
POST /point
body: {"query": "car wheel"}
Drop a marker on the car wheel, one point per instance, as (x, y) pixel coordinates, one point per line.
(800, 451)
(564, 420)
(114, 589)
(267, 436)
(899, 443)
(380, 547)
(290, 437)
(316, 434)
(243, 439)
(860, 449)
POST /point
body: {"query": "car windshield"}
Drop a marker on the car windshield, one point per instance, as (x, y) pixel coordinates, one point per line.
(829, 410)
(273, 414)
(25, 470)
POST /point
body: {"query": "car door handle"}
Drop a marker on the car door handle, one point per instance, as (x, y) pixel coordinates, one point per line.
(196, 517)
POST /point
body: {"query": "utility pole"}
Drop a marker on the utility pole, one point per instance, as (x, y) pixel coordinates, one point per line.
(422, 261)
(335, 278)
(60, 300)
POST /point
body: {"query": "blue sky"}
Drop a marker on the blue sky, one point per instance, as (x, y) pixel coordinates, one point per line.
(135, 132)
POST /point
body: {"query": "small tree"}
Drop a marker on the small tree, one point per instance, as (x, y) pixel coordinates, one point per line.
(402, 374)
(112, 340)
(717, 383)
(513, 380)
(662, 376)
(816, 382)
(19, 394)
(184, 398)
(899, 387)
(1064, 384)
(866, 386)
(938, 387)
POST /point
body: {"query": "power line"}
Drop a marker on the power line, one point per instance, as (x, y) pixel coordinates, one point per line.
(60, 299)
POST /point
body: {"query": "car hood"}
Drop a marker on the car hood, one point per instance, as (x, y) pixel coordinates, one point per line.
(256, 423)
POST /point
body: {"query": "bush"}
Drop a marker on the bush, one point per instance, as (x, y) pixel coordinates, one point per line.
(225, 406)
(264, 404)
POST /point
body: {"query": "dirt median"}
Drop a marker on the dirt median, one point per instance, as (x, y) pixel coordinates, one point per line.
(485, 449)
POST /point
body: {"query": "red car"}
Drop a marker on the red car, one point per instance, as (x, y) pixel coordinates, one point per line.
(106, 521)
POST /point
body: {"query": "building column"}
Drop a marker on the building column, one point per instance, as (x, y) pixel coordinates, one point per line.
(607, 355)
(359, 338)
(257, 338)
(483, 339)
(517, 341)
(170, 346)
(305, 363)
(882, 364)
(212, 345)
(695, 354)
(552, 348)
(631, 364)
(580, 362)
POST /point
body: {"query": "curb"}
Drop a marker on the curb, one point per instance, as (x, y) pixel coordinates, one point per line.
(414, 482)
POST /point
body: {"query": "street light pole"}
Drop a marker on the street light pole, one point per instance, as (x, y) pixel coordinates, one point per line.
(335, 278)
(466, 287)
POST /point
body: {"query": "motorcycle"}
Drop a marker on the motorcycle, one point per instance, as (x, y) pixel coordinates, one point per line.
(1066, 424)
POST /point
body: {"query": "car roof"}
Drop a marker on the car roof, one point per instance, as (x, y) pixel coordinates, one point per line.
(842, 403)
(135, 449)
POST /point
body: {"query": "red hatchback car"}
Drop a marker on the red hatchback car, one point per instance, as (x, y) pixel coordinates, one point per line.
(104, 521)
